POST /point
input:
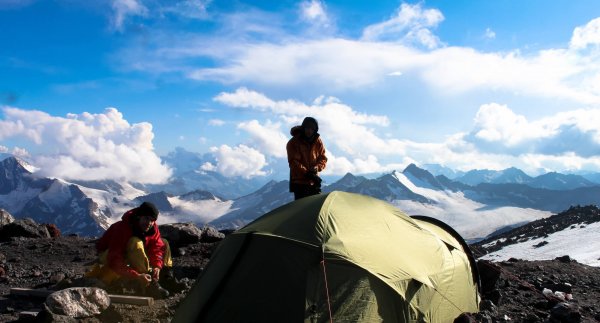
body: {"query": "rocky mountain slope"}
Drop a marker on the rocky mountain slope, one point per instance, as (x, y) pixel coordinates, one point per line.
(557, 290)
(48, 200)
(573, 232)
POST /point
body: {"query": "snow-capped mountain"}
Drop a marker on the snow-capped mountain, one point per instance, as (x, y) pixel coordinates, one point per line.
(437, 169)
(345, 183)
(510, 175)
(87, 208)
(573, 232)
(47, 200)
(556, 181)
(414, 191)
(188, 176)
(551, 181)
(247, 208)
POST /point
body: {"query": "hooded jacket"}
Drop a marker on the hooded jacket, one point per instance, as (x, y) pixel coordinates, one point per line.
(303, 155)
(117, 236)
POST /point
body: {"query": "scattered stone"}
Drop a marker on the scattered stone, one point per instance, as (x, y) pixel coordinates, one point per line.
(57, 277)
(488, 305)
(53, 230)
(565, 259)
(78, 302)
(565, 312)
(5, 218)
(210, 234)
(541, 244)
(46, 316)
(23, 228)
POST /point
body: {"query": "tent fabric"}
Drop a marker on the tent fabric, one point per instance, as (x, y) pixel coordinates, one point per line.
(338, 257)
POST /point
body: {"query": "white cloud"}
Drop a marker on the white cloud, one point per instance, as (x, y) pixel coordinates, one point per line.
(411, 24)
(216, 122)
(125, 8)
(587, 35)
(314, 12)
(255, 48)
(268, 138)
(339, 165)
(88, 146)
(20, 152)
(341, 126)
(194, 9)
(489, 33)
(241, 161)
(498, 129)
(346, 64)
(3, 149)
(499, 138)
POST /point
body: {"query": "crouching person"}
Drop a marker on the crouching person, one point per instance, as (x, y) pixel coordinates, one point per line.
(132, 253)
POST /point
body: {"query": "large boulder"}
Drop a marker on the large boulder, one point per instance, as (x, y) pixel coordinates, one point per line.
(78, 302)
(210, 234)
(183, 234)
(23, 228)
(5, 218)
(180, 234)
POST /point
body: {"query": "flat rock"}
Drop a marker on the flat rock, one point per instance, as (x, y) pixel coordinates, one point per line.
(78, 302)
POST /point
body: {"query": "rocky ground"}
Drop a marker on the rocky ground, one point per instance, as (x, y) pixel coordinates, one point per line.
(513, 291)
(43, 262)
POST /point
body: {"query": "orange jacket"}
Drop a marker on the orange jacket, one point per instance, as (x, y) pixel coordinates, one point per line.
(304, 155)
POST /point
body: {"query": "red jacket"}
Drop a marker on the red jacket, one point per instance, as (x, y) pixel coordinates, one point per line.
(115, 241)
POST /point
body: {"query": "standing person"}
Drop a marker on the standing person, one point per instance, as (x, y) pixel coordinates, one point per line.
(306, 157)
(133, 253)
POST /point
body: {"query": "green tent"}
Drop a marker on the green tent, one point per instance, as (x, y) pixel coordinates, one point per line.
(337, 257)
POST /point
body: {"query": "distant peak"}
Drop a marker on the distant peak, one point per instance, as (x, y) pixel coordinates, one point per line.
(348, 176)
(17, 164)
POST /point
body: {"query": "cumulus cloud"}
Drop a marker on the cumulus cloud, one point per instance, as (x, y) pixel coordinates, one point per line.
(498, 129)
(584, 36)
(411, 24)
(125, 8)
(346, 129)
(240, 161)
(88, 146)
(268, 138)
(499, 137)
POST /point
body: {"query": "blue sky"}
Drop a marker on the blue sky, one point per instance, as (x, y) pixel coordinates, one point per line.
(100, 89)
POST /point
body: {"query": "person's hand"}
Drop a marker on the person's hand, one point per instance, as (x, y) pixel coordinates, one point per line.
(155, 273)
(146, 278)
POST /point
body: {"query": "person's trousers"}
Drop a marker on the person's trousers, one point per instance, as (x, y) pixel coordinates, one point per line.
(301, 191)
(136, 258)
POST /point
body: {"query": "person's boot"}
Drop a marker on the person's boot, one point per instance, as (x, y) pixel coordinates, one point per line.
(154, 290)
(168, 281)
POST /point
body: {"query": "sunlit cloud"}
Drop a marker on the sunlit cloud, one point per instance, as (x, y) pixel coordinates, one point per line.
(87, 146)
